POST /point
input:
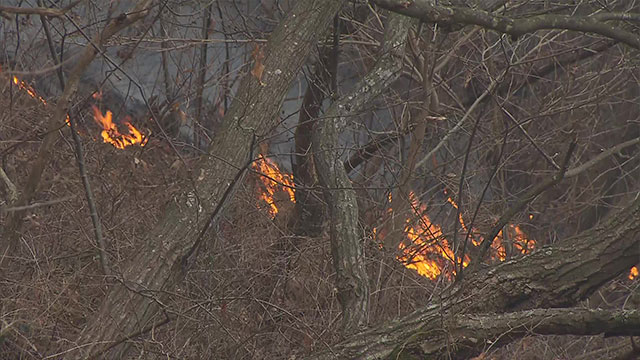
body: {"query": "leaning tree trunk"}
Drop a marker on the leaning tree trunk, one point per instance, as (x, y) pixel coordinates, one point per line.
(132, 305)
(507, 301)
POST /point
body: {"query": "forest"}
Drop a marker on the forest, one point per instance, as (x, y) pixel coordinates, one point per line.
(265, 179)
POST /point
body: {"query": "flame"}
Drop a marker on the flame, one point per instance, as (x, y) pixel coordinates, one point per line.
(427, 251)
(633, 273)
(273, 181)
(111, 134)
(28, 89)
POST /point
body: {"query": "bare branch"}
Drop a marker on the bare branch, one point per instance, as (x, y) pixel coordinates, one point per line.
(35, 205)
(11, 188)
(603, 155)
(452, 15)
(42, 11)
(519, 205)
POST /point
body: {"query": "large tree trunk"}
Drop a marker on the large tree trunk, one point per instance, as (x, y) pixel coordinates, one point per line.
(133, 302)
(559, 275)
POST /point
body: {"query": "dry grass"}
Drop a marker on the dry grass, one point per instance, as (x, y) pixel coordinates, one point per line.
(256, 291)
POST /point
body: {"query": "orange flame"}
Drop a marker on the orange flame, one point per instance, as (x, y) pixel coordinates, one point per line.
(633, 273)
(29, 90)
(111, 134)
(273, 181)
(428, 251)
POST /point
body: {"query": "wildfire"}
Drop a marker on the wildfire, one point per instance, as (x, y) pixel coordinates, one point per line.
(111, 134)
(274, 181)
(425, 249)
(24, 86)
(633, 273)
(428, 251)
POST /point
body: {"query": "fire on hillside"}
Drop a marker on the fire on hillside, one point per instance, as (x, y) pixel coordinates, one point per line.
(110, 130)
(426, 249)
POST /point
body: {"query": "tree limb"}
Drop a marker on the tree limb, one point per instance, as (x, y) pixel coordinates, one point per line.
(42, 11)
(520, 204)
(454, 15)
(550, 277)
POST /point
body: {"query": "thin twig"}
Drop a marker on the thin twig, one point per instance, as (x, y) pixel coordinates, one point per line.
(131, 336)
(466, 115)
(192, 253)
(35, 205)
(527, 198)
(42, 11)
(93, 211)
(79, 152)
(603, 155)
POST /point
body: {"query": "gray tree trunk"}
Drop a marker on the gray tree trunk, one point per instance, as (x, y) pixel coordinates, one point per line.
(345, 233)
(133, 304)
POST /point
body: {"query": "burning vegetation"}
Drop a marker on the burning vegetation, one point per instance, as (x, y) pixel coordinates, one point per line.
(112, 135)
(273, 181)
(426, 249)
(110, 130)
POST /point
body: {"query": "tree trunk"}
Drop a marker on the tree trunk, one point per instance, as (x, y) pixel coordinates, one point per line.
(132, 305)
(308, 218)
(554, 276)
(345, 234)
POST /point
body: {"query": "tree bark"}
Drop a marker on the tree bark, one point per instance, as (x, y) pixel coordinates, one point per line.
(554, 276)
(346, 239)
(133, 303)
(427, 11)
(308, 218)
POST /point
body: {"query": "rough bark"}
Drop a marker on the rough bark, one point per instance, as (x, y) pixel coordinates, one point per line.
(554, 276)
(133, 303)
(339, 194)
(427, 11)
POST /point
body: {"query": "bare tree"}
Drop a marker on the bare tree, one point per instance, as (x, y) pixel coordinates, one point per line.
(477, 162)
